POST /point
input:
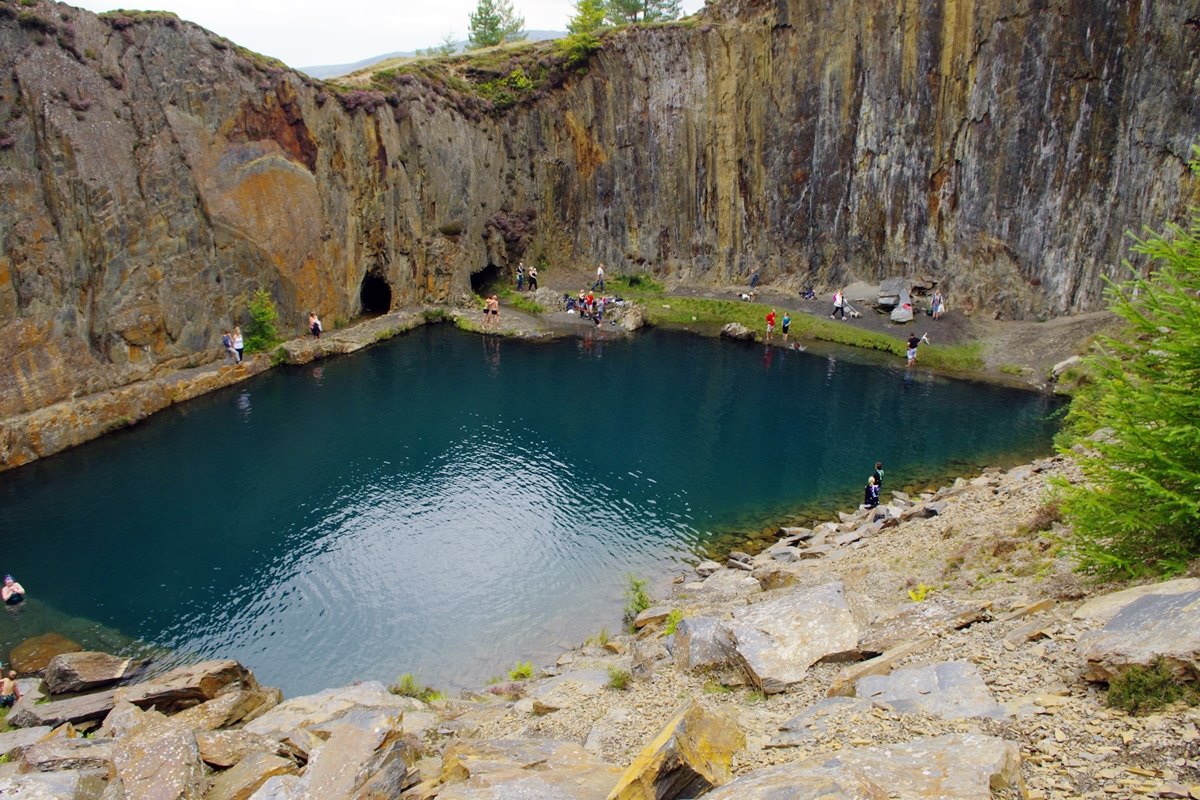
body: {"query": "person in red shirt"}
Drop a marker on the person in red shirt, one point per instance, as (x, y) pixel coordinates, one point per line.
(770, 324)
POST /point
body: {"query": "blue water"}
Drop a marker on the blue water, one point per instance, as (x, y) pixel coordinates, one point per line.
(446, 504)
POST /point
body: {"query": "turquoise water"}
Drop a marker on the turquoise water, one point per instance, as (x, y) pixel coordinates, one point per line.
(446, 504)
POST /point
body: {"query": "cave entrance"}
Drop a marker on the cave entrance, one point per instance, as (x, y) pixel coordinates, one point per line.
(375, 295)
(490, 276)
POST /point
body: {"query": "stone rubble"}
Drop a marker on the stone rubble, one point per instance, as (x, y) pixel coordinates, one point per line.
(948, 652)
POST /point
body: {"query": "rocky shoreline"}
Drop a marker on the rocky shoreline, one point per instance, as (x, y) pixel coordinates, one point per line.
(939, 646)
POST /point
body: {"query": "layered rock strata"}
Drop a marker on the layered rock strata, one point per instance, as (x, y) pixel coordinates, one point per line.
(154, 174)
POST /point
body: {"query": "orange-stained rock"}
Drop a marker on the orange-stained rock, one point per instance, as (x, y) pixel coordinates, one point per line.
(33, 655)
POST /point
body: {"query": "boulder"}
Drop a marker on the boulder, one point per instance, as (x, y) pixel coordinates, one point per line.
(706, 568)
(22, 737)
(737, 331)
(223, 749)
(1154, 626)
(126, 717)
(727, 583)
(651, 616)
(84, 708)
(187, 686)
(54, 754)
(34, 655)
(244, 779)
(323, 707)
(647, 654)
(65, 785)
(961, 766)
(778, 640)
(691, 755)
(230, 708)
(931, 617)
(1058, 369)
(522, 768)
(361, 761)
(950, 690)
(159, 761)
(700, 643)
(632, 317)
(85, 670)
(1102, 609)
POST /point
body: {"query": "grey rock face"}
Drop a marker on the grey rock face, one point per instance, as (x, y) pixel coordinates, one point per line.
(951, 690)
(81, 672)
(700, 643)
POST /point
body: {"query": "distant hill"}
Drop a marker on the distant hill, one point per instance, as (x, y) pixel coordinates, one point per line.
(337, 70)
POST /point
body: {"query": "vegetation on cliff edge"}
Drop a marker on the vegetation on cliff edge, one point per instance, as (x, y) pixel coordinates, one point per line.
(1137, 511)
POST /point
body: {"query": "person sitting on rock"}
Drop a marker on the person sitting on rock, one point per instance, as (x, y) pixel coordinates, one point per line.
(10, 693)
(12, 592)
(871, 493)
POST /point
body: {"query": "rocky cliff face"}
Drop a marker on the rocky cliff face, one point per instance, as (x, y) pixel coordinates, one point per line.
(154, 174)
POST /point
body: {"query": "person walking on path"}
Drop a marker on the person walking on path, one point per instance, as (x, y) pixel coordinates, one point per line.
(913, 342)
(314, 324)
(839, 305)
(878, 474)
(227, 343)
(520, 276)
(533, 279)
(599, 284)
(787, 322)
(770, 324)
(238, 344)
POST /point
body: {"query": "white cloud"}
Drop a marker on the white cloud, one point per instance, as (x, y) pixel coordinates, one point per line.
(307, 33)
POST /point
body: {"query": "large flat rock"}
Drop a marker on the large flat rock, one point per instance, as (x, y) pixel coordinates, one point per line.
(84, 671)
(65, 785)
(1153, 626)
(778, 640)
(1102, 609)
(958, 766)
(159, 760)
(523, 768)
(22, 737)
(920, 620)
(323, 707)
(950, 690)
(84, 708)
(188, 686)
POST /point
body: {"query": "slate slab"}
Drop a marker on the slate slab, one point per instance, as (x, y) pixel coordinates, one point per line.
(1153, 626)
(950, 690)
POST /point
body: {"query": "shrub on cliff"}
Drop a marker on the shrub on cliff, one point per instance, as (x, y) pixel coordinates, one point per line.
(261, 333)
(1137, 511)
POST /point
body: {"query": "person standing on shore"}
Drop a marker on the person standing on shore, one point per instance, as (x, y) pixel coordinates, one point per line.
(520, 276)
(878, 474)
(314, 324)
(938, 304)
(914, 341)
(871, 493)
(227, 343)
(238, 344)
(533, 279)
(599, 284)
(770, 324)
(787, 322)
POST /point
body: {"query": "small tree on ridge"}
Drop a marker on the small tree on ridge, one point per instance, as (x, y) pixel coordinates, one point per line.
(494, 22)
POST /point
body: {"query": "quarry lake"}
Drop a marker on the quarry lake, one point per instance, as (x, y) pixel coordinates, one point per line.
(448, 504)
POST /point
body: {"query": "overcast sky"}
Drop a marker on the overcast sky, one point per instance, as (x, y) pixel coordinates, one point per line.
(305, 33)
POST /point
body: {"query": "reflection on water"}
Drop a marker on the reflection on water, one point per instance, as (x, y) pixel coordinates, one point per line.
(416, 508)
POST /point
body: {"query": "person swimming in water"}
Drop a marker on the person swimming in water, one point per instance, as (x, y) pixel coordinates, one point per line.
(12, 592)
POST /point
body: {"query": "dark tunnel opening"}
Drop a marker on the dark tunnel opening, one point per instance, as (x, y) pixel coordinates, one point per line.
(491, 275)
(375, 295)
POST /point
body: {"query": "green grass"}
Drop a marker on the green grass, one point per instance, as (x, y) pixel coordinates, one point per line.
(672, 311)
(1140, 690)
(522, 302)
(715, 687)
(618, 678)
(673, 620)
(522, 671)
(637, 599)
(1012, 369)
(600, 639)
(408, 686)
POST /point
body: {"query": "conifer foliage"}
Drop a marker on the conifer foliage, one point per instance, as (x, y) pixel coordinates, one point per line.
(623, 12)
(1138, 509)
(494, 22)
